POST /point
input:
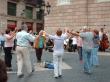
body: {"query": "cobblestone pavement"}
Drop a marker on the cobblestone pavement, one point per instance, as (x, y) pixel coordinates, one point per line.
(72, 70)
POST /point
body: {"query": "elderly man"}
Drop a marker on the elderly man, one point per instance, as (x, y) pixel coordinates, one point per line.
(22, 50)
(87, 37)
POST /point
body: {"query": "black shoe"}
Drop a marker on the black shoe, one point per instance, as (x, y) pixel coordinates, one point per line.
(33, 70)
(88, 73)
(60, 76)
(21, 76)
(56, 77)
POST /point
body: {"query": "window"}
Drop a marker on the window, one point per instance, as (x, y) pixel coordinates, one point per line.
(40, 15)
(63, 2)
(39, 11)
(29, 12)
(11, 9)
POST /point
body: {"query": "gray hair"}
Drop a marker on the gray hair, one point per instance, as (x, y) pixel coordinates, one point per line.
(24, 27)
(85, 28)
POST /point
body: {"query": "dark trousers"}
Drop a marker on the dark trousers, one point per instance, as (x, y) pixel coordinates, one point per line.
(14, 47)
(74, 47)
(39, 54)
(80, 53)
(2, 45)
(8, 56)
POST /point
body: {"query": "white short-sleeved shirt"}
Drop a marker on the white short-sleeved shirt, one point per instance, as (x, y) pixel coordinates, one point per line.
(74, 40)
(58, 42)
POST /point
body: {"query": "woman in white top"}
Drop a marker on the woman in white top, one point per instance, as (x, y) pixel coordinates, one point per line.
(9, 42)
(74, 43)
(58, 51)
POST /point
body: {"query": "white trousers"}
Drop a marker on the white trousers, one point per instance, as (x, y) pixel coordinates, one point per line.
(23, 59)
(57, 61)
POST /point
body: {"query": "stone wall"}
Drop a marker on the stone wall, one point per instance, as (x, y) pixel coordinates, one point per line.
(79, 13)
(99, 13)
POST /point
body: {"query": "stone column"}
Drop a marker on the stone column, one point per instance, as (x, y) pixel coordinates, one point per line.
(20, 8)
(35, 18)
(3, 13)
(34, 13)
(34, 27)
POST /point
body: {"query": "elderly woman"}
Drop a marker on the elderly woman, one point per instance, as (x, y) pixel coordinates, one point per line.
(96, 41)
(58, 51)
(39, 44)
(9, 42)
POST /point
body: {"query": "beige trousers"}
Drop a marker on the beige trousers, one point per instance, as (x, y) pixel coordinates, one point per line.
(23, 59)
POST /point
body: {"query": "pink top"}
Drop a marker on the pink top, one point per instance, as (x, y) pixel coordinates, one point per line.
(8, 42)
(79, 42)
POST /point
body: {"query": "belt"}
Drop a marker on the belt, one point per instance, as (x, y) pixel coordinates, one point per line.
(21, 46)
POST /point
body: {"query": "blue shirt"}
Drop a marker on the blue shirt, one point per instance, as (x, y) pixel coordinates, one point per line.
(96, 40)
(87, 38)
(24, 39)
(1, 38)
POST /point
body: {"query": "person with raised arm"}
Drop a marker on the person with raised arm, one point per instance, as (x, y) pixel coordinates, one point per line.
(8, 45)
(58, 51)
(23, 52)
(87, 37)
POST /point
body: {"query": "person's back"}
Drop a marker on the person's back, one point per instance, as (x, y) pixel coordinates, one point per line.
(87, 48)
(59, 43)
(23, 51)
(58, 52)
(87, 40)
(23, 38)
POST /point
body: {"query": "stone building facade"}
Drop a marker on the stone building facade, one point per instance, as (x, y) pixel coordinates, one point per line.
(74, 14)
(7, 20)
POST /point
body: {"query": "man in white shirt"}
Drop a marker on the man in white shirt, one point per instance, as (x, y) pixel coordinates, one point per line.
(22, 50)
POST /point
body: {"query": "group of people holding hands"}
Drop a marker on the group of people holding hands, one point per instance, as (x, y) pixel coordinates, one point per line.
(87, 51)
